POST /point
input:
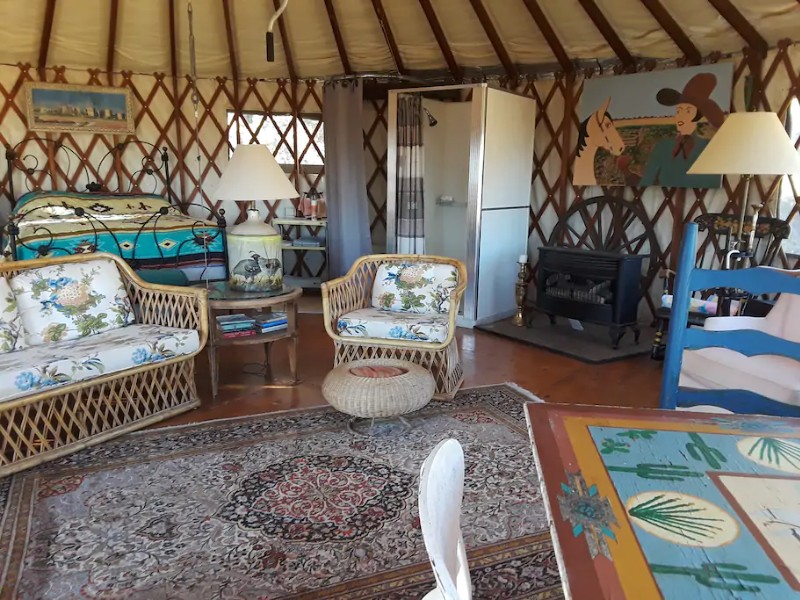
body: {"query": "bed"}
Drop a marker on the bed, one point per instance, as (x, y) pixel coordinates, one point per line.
(150, 231)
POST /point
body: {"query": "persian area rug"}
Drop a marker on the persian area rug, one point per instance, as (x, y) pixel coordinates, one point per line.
(288, 505)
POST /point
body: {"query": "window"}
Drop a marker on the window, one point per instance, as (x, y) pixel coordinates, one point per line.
(278, 131)
(787, 205)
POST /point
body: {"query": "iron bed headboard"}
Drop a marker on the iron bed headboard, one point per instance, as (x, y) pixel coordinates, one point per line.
(154, 165)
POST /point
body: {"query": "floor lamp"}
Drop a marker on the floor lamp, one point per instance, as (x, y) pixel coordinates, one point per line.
(748, 144)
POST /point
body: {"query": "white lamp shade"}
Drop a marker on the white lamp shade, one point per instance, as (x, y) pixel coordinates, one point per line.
(749, 143)
(254, 174)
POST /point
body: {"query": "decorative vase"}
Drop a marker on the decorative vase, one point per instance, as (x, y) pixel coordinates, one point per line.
(254, 256)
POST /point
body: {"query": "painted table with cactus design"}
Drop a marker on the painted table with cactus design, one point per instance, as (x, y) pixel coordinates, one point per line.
(666, 504)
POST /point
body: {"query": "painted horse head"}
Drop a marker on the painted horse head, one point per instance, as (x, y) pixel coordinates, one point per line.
(598, 131)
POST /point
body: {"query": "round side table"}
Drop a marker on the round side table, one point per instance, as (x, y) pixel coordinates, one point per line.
(378, 388)
(222, 298)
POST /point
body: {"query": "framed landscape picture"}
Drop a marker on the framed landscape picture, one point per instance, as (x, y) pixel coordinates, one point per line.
(89, 108)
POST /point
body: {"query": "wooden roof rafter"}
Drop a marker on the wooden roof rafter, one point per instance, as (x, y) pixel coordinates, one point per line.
(674, 31)
(609, 34)
(44, 42)
(497, 44)
(337, 36)
(173, 43)
(226, 11)
(287, 48)
(112, 40)
(550, 36)
(389, 36)
(742, 26)
(438, 33)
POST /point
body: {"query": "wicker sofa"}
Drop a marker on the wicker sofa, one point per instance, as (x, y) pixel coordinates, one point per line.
(115, 354)
(416, 322)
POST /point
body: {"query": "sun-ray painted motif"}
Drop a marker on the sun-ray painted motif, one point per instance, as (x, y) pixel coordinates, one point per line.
(772, 452)
(682, 519)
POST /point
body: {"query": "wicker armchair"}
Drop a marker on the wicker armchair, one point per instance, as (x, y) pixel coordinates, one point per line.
(353, 291)
(52, 422)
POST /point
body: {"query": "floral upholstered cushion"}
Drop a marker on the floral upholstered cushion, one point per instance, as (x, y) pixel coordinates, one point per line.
(414, 287)
(71, 300)
(375, 323)
(37, 368)
(10, 324)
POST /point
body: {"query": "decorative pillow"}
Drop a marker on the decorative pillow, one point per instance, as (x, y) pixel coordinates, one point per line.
(704, 307)
(71, 300)
(10, 323)
(414, 287)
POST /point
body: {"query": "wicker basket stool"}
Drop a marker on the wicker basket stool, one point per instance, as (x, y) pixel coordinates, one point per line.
(378, 388)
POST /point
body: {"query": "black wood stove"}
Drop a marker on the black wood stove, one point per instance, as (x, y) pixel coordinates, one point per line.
(598, 262)
(591, 286)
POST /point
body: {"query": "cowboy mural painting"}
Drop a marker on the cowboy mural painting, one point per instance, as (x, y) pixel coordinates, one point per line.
(647, 129)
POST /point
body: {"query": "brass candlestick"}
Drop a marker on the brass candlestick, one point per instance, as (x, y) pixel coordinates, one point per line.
(521, 293)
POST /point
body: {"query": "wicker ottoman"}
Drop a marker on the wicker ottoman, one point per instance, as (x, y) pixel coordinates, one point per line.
(378, 388)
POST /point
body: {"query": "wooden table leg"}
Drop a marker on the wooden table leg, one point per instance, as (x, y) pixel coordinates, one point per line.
(291, 315)
(293, 358)
(267, 361)
(214, 368)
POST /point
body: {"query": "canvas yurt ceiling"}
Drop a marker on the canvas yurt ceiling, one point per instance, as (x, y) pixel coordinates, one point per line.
(331, 37)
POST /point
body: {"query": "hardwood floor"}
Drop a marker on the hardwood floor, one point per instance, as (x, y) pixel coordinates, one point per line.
(488, 359)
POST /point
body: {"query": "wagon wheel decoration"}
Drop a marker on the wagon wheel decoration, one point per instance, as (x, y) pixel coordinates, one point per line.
(611, 224)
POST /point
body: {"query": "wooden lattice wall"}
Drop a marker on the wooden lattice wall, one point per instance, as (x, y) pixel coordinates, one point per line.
(375, 151)
(197, 144)
(165, 116)
(198, 147)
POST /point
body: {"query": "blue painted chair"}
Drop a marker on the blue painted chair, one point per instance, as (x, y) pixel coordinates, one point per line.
(749, 342)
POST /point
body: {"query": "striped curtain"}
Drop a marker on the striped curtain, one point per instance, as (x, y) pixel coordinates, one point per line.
(410, 168)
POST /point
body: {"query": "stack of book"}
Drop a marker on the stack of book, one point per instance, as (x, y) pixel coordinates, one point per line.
(271, 321)
(238, 325)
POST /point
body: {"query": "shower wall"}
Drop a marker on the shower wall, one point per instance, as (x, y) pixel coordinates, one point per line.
(446, 147)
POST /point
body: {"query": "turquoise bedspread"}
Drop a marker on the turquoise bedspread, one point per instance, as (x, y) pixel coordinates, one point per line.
(130, 226)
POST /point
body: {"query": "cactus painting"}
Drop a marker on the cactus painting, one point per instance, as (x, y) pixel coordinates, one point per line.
(721, 576)
(698, 449)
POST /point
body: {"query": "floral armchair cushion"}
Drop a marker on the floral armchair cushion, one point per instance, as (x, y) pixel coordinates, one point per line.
(71, 300)
(10, 323)
(414, 287)
(381, 324)
(36, 369)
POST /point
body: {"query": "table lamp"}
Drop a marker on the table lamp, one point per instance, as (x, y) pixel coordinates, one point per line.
(254, 247)
(747, 144)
